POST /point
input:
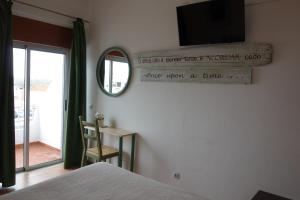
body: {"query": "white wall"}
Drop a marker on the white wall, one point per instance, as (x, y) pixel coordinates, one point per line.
(51, 112)
(227, 141)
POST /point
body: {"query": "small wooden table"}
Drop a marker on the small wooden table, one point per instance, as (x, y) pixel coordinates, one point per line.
(119, 133)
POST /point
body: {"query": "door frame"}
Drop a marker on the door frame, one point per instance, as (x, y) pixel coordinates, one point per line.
(28, 47)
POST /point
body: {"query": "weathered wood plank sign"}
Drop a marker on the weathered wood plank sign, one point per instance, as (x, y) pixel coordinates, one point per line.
(215, 55)
(241, 75)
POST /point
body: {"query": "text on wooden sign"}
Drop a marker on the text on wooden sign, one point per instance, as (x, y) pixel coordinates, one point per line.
(216, 55)
(203, 75)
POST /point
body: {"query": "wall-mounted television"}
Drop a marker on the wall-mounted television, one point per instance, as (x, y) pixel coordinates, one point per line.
(211, 22)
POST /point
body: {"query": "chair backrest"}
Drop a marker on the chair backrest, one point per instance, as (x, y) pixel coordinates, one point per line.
(83, 131)
(99, 138)
(85, 137)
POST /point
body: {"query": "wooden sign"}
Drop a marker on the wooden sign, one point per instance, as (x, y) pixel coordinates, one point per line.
(241, 75)
(215, 55)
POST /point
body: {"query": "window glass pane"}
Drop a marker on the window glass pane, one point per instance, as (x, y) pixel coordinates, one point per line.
(19, 84)
(120, 76)
(46, 107)
(107, 75)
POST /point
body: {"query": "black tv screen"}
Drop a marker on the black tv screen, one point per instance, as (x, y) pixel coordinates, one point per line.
(211, 22)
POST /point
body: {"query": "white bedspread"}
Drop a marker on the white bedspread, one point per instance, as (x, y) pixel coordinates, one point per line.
(100, 181)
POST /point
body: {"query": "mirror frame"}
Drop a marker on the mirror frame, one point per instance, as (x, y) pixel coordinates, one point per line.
(100, 60)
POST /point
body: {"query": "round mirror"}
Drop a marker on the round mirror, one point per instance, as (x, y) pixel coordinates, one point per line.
(113, 71)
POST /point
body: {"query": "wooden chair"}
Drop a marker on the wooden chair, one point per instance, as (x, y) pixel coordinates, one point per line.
(100, 152)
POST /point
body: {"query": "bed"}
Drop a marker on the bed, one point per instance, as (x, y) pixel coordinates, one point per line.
(100, 181)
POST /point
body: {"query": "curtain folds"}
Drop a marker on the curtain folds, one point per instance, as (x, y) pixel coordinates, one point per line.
(7, 132)
(77, 97)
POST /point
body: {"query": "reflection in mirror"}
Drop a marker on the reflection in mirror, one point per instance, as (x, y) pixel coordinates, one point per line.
(113, 71)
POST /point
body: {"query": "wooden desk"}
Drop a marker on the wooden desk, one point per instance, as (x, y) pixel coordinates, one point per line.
(119, 133)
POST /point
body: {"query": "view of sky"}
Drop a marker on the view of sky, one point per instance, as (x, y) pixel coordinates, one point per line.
(44, 66)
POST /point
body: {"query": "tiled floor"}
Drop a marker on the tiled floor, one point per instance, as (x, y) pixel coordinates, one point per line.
(38, 153)
(26, 179)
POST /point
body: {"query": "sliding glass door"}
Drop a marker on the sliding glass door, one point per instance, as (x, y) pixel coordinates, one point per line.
(19, 60)
(39, 74)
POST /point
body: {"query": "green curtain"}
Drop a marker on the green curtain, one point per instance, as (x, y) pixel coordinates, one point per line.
(7, 120)
(77, 97)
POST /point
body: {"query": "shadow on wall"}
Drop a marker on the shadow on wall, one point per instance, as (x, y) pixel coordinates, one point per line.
(261, 195)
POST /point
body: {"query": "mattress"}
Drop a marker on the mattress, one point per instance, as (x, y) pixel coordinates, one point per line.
(100, 181)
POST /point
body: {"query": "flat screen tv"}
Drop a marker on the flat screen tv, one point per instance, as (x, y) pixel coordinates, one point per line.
(211, 22)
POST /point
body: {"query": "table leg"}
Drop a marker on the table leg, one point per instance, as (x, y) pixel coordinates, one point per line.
(132, 152)
(120, 152)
